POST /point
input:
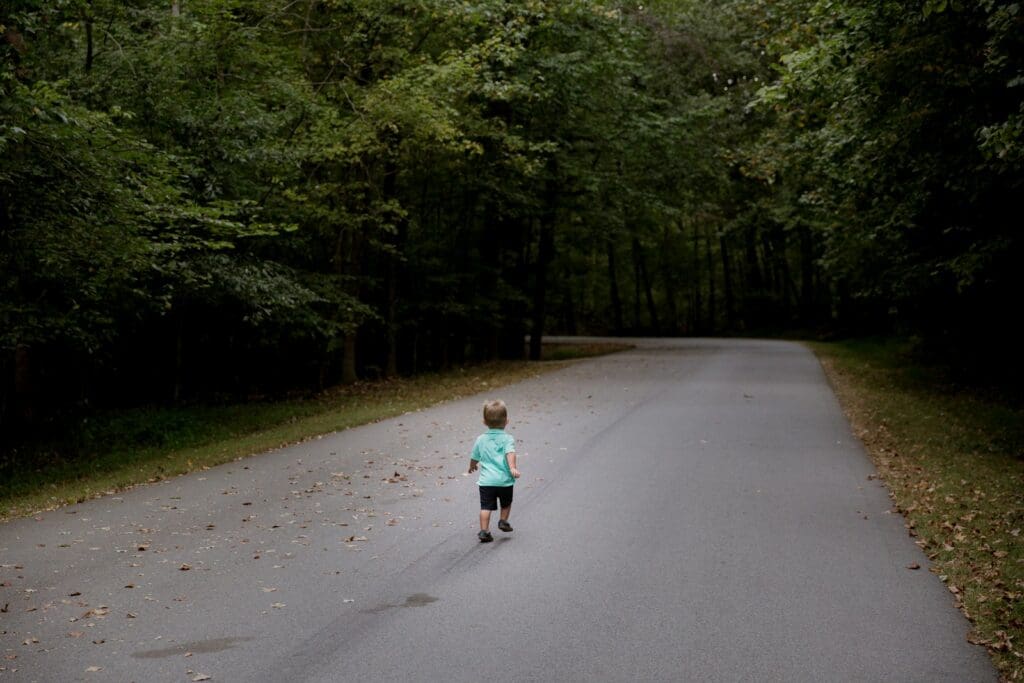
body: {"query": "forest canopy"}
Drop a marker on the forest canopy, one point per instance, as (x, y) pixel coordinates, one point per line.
(206, 198)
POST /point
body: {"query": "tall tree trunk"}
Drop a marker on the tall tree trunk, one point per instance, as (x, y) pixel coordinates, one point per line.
(179, 360)
(391, 369)
(544, 254)
(348, 359)
(668, 278)
(652, 309)
(842, 303)
(6, 389)
(23, 393)
(636, 294)
(775, 245)
(712, 313)
(771, 266)
(753, 267)
(516, 324)
(88, 20)
(490, 257)
(807, 294)
(393, 272)
(176, 8)
(613, 284)
(569, 309)
(698, 305)
(346, 262)
(730, 304)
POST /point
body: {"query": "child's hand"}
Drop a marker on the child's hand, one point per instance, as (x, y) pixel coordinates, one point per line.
(515, 473)
(472, 466)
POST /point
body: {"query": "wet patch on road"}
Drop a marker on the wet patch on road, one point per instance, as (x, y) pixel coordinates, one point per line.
(196, 647)
(414, 600)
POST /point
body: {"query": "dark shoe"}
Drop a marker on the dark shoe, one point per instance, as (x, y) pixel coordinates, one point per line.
(504, 526)
(485, 536)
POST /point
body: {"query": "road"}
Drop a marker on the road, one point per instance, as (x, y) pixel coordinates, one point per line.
(691, 510)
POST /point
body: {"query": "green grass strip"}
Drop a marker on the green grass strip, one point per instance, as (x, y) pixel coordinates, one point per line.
(114, 451)
(953, 459)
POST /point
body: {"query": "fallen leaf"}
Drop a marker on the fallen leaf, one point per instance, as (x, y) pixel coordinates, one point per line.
(269, 590)
(976, 639)
(185, 567)
(94, 669)
(914, 565)
(75, 634)
(201, 677)
(278, 605)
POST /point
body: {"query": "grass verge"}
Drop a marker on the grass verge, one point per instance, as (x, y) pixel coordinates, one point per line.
(555, 351)
(953, 460)
(118, 450)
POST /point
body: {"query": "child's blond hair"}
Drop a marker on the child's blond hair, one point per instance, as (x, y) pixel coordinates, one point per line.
(495, 414)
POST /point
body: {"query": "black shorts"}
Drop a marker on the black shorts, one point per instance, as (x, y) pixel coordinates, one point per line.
(490, 495)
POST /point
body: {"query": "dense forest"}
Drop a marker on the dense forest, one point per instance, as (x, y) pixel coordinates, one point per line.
(210, 199)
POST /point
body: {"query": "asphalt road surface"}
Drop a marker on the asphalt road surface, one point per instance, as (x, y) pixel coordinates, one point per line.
(692, 510)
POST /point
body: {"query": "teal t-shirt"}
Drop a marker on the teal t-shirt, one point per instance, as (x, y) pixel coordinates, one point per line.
(489, 450)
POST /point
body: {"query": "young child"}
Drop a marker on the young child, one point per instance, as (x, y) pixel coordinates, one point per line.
(495, 455)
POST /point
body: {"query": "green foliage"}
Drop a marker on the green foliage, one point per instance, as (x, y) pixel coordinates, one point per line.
(270, 194)
(897, 131)
(71, 198)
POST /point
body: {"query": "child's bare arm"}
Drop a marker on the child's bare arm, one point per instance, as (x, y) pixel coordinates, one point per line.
(511, 458)
(472, 465)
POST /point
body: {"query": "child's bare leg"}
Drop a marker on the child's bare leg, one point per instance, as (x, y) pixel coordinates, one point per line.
(485, 520)
(503, 524)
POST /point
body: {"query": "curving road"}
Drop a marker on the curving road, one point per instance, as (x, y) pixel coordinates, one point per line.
(692, 510)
